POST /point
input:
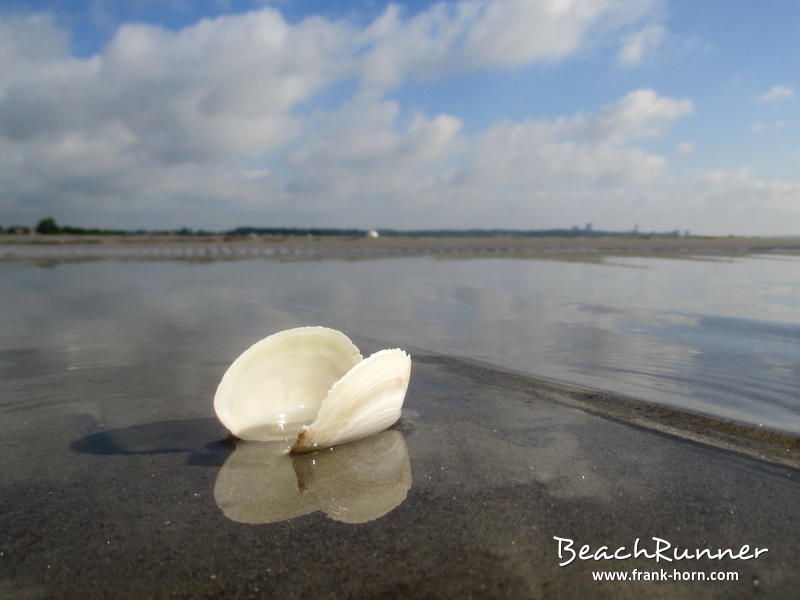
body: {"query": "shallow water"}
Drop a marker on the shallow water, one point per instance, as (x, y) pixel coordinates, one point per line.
(716, 335)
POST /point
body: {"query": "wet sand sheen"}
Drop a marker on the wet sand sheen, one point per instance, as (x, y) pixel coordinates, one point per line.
(499, 465)
(759, 442)
(119, 483)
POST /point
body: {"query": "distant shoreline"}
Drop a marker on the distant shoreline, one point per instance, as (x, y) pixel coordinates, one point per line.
(590, 244)
(57, 249)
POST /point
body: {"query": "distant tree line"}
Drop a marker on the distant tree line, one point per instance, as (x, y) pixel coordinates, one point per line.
(49, 226)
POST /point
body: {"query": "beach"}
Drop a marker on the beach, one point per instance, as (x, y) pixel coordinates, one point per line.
(520, 425)
(638, 244)
(500, 466)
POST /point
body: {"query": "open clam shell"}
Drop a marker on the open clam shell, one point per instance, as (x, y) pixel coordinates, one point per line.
(311, 380)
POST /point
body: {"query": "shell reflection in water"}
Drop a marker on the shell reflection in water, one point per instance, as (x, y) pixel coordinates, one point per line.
(352, 483)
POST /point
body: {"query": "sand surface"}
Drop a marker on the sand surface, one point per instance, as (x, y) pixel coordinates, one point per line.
(486, 467)
(118, 482)
(57, 249)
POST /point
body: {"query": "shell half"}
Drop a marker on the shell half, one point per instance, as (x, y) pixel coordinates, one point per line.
(368, 399)
(311, 388)
(278, 384)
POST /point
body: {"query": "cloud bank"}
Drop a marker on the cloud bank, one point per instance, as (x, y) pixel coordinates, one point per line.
(221, 124)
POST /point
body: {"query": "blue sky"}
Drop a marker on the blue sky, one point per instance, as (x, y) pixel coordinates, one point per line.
(480, 113)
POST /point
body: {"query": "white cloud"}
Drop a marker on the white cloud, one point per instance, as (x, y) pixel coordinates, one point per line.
(684, 147)
(636, 45)
(221, 88)
(535, 173)
(640, 114)
(743, 189)
(174, 118)
(358, 165)
(760, 127)
(520, 31)
(734, 197)
(777, 93)
(215, 125)
(476, 34)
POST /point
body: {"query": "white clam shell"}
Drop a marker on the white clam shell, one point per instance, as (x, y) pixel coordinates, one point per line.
(311, 380)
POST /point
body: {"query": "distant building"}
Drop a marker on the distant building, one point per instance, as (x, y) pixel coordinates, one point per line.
(372, 234)
(588, 227)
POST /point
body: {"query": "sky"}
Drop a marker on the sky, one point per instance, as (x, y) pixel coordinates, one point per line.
(524, 114)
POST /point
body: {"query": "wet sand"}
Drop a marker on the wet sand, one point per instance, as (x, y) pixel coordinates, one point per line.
(128, 505)
(59, 248)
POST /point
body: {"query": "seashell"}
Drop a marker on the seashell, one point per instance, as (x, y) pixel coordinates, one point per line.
(366, 400)
(311, 388)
